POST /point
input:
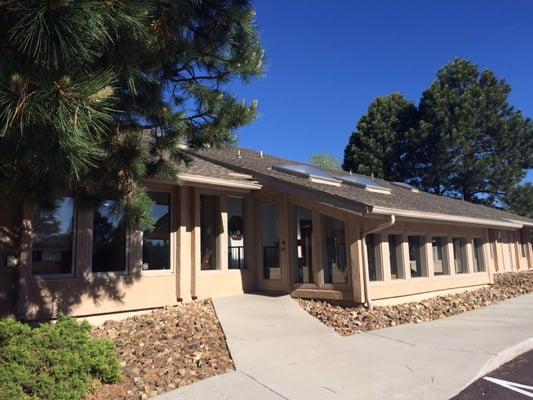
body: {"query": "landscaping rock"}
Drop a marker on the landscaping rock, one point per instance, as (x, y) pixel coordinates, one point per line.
(165, 349)
(353, 320)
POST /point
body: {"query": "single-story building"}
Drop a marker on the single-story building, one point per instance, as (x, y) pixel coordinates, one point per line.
(242, 221)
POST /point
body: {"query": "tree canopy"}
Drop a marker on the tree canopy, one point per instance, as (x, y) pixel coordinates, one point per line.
(326, 161)
(470, 142)
(379, 143)
(520, 200)
(95, 95)
(464, 140)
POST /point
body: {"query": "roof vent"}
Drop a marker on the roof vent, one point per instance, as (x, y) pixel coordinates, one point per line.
(261, 154)
(239, 154)
(406, 186)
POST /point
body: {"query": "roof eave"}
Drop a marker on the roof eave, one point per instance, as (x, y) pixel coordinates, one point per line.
(448, 218)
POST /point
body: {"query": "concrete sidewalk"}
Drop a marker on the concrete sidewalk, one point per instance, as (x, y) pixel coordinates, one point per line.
(281, 352)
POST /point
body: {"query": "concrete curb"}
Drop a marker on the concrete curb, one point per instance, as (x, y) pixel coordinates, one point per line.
(503, 357)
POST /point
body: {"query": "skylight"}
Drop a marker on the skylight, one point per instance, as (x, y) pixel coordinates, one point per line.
(307, 171)
(364, 182)
(406, 186)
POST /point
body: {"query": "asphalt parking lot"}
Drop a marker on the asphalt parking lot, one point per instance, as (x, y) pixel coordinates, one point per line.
(511, 381)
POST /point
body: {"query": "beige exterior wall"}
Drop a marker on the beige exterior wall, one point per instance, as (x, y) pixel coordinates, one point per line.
(87, 293)
(389, 288)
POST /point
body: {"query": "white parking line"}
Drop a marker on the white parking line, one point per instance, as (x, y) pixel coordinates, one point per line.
(515, 387)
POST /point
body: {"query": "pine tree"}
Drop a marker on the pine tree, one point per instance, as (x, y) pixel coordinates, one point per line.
(470, 142)
(95, 95)
(326, 161)
(520, 200)
(379, 144)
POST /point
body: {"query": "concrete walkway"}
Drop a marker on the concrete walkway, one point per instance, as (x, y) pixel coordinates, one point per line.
(281, 352)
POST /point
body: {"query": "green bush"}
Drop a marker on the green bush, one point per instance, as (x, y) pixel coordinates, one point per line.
(58, 361)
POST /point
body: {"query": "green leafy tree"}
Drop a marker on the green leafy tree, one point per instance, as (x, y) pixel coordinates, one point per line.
(379, 144)
(470, 142)
(520, 200)
(326, 161)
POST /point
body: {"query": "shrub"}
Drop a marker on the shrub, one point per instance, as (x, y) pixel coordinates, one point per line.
(58, 361)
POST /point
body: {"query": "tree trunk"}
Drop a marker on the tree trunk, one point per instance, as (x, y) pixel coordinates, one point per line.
(22, 272)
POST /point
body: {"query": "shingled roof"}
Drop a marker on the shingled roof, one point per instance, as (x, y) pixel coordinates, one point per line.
(260, 166)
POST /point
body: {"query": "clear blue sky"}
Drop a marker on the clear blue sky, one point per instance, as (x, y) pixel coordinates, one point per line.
(327, 60)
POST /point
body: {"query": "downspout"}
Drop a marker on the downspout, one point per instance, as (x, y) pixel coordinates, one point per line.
(366, 273)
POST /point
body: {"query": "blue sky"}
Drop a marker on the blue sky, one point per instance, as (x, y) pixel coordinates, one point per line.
(327, 60)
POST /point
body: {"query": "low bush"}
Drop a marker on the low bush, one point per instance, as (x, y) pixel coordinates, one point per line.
(58, 361)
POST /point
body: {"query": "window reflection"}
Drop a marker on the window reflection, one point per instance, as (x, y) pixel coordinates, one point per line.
(109, 238)
(52, 238)
(336, 268)
(156, 242)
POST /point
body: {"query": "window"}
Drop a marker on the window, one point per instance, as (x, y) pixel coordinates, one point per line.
(438, 250)
(523, 243)
(109, 238)
(156, 243)
(336, 269)
(236, 233)
(415, 255)
(52, 238)
(372, 243)
(209, 230)
(395, 256)
(477, 249)
(270, 241)
(459, 258)
(304, 245)
(493, 242)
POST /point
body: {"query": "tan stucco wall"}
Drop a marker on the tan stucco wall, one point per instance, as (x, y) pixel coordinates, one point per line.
(98, 295)
(393, 288)
(85, 293)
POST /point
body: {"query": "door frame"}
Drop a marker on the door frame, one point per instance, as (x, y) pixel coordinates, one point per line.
(280, 285)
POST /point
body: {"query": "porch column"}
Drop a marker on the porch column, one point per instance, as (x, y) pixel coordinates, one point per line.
(428, 253)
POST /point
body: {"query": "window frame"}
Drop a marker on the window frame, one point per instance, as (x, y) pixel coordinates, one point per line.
(483, 260)
(172, 269)
(446, 262)
(293, 243)
(463, 254)
(322, 226)
(399, 251)
(261, 240)
(378, 254)
(73, 266)
(219, 197)
(422, 240)
(245, 231)
(523, 244)
(127, 250)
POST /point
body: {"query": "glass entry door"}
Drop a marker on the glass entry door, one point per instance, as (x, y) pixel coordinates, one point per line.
(270, 243)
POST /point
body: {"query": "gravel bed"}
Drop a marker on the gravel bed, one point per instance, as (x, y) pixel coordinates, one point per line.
(353, 320)
(165, 349)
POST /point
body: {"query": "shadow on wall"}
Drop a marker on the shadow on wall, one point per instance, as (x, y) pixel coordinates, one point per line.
(48, 299)
(42, 299)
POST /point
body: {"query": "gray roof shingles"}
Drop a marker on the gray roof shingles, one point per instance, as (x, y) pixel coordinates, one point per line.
(400, 198)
